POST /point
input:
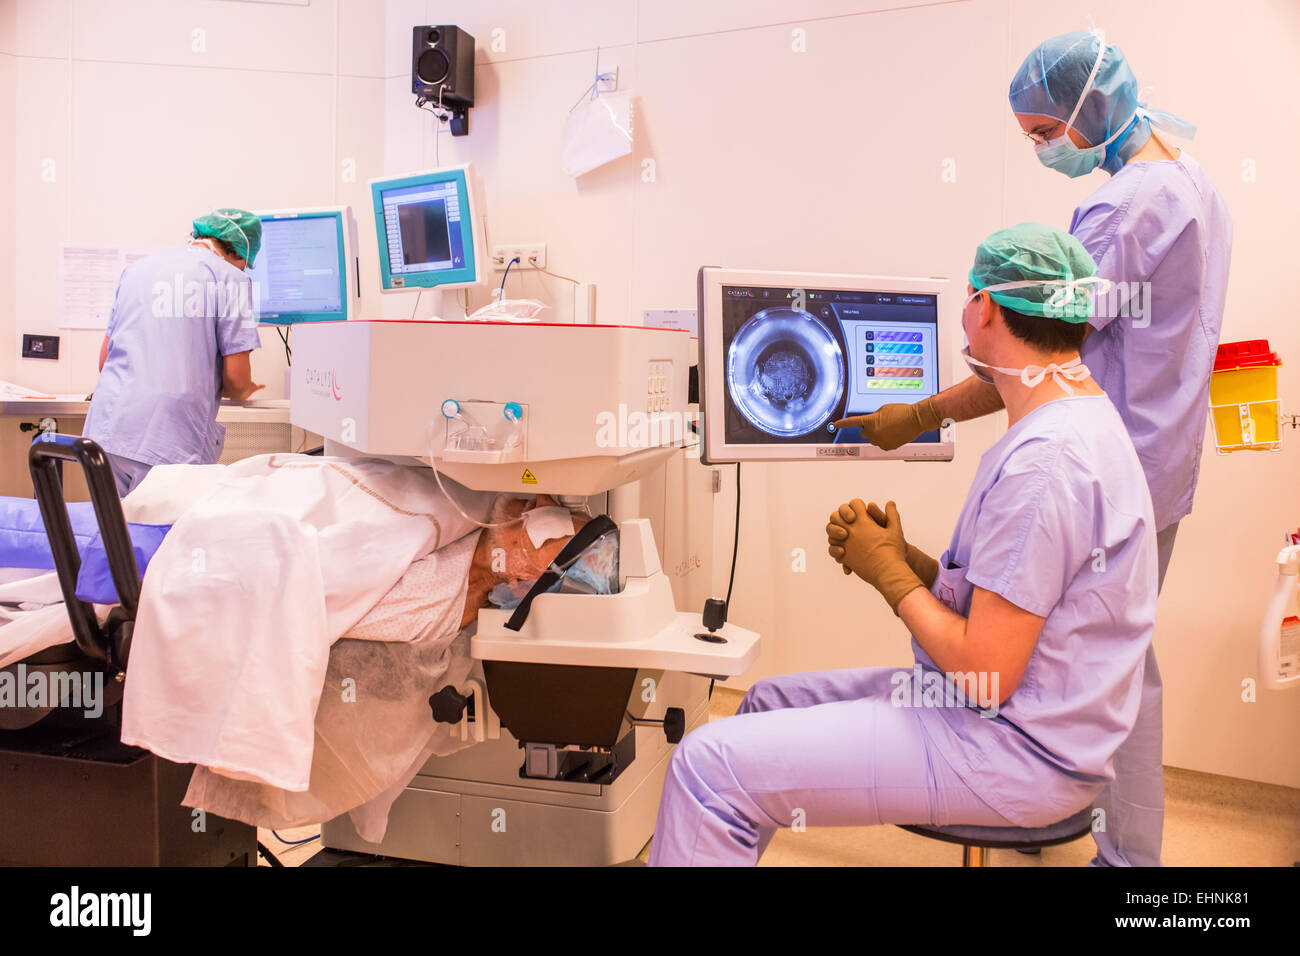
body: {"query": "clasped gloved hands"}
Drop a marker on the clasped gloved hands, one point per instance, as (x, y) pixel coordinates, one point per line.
(869, 542)
(896, 424)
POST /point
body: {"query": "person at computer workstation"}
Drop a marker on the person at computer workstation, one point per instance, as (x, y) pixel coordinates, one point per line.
(179, 339)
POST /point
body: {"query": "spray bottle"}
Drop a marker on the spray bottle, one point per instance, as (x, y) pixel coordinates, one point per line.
(1279, 638)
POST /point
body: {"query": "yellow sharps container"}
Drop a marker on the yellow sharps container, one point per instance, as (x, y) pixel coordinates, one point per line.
(1243, 396)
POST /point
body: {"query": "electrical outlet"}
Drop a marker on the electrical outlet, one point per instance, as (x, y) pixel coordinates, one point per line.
(531, 255)
(40, 346)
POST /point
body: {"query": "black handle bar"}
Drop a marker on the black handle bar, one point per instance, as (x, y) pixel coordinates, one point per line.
(43, 458)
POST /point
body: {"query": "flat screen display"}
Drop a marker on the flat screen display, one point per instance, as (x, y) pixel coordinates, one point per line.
(424, 223)
(795, 360)
(300, 272)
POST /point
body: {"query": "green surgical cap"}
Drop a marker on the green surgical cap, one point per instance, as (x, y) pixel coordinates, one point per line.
(1057, 268)
(237, 228)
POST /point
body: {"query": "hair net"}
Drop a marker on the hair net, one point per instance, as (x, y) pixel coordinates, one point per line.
(238, 228)
(1036, 270)
(1053, 76)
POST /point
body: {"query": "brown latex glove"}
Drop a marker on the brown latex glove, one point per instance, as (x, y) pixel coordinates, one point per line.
(876, 553)
(896, 424)
(925, 567)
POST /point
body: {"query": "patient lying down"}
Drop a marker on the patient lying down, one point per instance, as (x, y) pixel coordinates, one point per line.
(373, 727)
(293, 665)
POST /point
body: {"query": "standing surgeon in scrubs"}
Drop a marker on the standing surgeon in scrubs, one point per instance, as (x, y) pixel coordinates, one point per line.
(179, 338)
(1029, 633)
(1160, 232)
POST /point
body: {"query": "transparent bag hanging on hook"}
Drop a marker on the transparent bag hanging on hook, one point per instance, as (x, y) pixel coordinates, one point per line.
(598, 131)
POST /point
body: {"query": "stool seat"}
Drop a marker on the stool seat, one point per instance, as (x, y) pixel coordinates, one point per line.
(1011, 838)
(1007, 838)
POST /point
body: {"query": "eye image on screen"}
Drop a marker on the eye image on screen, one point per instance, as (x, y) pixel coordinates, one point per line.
(797, 360)
(424, 232)
(785, 371)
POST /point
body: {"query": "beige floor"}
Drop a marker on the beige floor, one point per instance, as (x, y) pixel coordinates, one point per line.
(1209, 821)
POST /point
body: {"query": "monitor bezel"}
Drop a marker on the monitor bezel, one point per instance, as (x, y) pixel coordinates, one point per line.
(347, 227)
(715, 449)
(467, 190)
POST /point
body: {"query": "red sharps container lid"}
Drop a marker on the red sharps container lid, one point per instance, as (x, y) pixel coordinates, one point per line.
(1252, 354)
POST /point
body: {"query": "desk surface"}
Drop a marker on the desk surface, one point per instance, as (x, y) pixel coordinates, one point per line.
(76, 406)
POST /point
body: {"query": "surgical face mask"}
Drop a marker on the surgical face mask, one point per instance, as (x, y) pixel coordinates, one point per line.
(976, 366)
(1031, 376)
(1061, 154)
(210, 244)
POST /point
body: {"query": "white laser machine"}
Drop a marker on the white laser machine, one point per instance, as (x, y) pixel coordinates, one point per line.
(574, 709)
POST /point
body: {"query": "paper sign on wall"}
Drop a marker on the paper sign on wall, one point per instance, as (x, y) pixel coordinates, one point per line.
(672, 319)
(89, 276)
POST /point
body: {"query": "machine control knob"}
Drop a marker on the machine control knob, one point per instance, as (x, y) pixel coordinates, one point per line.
(448, 705)
(715, 613)
(674, 724)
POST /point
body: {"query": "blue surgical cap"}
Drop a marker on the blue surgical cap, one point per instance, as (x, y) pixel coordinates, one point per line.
(1030, 252)
(1053, 76)
(238, 228)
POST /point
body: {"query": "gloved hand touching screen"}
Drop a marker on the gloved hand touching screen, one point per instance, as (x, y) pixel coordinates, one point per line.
(896, 424)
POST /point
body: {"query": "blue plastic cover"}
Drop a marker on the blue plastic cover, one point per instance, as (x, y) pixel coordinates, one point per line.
(23, 544)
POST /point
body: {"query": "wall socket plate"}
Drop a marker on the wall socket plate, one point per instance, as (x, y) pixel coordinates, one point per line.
(40, 346)
(526, 251)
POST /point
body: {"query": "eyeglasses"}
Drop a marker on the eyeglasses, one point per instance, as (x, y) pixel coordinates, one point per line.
(1039, 139)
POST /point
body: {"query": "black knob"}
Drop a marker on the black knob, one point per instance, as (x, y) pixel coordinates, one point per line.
(448, 705)
(674, 724)
(715, 613)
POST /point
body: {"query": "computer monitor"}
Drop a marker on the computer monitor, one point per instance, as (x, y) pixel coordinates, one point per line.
(783, 355)
(430, 230)
(306, 270)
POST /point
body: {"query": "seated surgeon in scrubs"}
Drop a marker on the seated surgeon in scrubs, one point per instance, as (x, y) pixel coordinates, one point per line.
(1159, 230)
(179, 338)
(1029, 632)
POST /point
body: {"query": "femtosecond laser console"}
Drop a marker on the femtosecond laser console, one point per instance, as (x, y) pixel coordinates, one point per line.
(573, 713)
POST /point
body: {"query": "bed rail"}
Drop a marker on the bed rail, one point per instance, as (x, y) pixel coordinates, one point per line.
(109, 643)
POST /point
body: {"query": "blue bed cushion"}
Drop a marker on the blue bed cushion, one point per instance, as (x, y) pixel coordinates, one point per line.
(23, 544)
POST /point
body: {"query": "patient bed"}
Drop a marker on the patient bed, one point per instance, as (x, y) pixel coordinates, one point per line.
(373, 727)
(73, 794)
